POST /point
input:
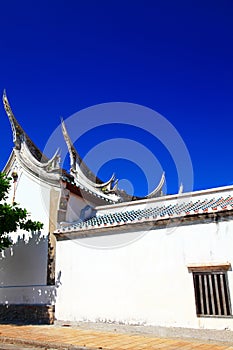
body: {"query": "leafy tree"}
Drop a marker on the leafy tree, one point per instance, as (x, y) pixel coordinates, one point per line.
(12, 217)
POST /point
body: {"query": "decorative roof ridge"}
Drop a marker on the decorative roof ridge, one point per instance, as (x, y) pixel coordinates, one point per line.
(9, 162)
(85, 176)
(169, 197)
(73, 183)
(158, 188)
(76, 158)
(157, 192)
(19, 135)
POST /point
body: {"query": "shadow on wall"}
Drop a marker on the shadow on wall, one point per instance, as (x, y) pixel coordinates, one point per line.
(28, 304)
(25, 296)
(25, 263)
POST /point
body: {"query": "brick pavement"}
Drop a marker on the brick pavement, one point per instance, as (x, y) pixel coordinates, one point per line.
(57, 337)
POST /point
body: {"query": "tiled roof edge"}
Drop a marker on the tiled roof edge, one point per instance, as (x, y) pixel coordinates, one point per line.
(211, 213)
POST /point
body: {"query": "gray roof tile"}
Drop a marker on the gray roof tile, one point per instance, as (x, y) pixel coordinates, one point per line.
(157, 212)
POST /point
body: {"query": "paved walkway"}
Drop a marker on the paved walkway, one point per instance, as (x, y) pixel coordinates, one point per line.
(56, 337)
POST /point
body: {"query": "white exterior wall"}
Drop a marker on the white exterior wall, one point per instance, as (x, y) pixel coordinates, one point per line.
(34, 195)
(146, 282)
(25, 263)
(75, 205)
(23, 267)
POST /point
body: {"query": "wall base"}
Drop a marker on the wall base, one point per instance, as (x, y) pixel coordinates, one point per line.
(27, 314)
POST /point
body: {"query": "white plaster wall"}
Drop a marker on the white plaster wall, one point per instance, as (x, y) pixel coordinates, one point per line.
(75, 205)
(146, 282)
(34, 195)
(25, 263)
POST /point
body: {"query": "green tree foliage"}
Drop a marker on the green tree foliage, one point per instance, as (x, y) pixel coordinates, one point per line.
(12, 217)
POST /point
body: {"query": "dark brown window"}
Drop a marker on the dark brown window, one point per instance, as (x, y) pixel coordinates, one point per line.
(212, 293)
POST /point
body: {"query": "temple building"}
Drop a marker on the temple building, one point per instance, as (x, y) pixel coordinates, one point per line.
(103, 256)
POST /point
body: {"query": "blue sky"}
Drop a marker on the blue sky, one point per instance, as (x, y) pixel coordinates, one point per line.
(175, 57)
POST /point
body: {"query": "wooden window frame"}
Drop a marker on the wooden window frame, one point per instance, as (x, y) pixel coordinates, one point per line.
(211, 288)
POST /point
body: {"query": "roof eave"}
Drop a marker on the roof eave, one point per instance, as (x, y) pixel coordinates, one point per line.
(156, 223)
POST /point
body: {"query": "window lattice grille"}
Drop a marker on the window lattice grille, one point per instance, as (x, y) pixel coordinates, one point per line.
(212, 294)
